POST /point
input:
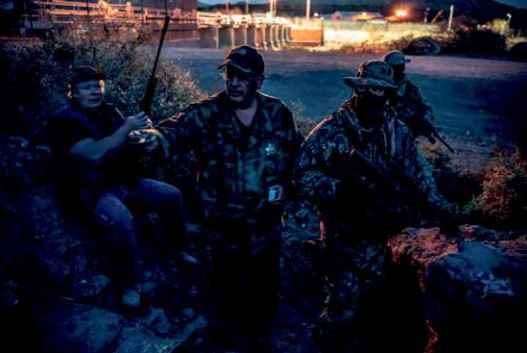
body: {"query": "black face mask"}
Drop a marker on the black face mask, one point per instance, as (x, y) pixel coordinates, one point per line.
(370, 108)
(368, 100)
(398, 73)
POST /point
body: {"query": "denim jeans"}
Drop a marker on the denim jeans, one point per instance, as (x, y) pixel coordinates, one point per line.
(115, 211)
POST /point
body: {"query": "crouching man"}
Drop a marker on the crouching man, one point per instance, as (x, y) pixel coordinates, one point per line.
(361, 167)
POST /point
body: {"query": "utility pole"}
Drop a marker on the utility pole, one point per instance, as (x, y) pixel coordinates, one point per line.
(272, 7)
(246, 7)
(308, 9)
(226, 6)
(450, 17)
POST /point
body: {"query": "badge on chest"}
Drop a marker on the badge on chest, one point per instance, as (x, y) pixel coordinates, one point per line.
(270, 149)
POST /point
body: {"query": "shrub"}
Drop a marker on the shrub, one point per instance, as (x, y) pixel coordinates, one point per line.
(474, 40)
(504, 190)
(456, 176)
(304, 123)
(35, 77)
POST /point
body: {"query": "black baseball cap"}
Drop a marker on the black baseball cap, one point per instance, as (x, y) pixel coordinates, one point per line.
(85, 73)
(246, 59)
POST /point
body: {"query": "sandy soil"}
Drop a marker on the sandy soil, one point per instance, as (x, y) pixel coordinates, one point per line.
(476, 98)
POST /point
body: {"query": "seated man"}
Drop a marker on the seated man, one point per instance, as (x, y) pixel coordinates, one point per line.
(95, 173)
(361, 167)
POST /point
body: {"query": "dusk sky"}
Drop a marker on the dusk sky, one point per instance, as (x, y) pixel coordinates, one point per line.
(518, 3)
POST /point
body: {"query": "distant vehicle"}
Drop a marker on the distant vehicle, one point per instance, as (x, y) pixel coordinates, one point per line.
(358, 16)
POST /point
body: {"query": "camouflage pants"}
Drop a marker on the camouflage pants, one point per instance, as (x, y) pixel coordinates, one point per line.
(353, 285)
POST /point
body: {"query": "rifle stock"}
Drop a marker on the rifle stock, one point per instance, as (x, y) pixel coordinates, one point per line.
(148, 98)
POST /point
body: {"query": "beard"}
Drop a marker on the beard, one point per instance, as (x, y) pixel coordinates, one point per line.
(247, 98)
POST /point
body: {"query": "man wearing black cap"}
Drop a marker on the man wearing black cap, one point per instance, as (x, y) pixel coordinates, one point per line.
(94, 173)
(361, 167)
(246, 143)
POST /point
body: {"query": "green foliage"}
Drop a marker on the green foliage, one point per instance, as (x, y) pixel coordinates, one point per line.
(35, 76)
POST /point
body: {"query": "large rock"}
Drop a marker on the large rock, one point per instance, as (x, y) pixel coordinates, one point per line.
(473, 288)
(423, 46)
(136, 338)
(519, 51)
(90, 288)
(67, 327)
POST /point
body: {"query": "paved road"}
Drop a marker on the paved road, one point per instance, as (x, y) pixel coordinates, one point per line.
(482, 98)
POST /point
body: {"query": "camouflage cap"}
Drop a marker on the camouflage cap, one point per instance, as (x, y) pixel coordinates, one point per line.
(395, 57)
(374, 73)
(246, 59)
(85, 73)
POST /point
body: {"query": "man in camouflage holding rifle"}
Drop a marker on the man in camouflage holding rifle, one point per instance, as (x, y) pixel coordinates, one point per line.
(408, 102)
(360, 166)
(246, 143)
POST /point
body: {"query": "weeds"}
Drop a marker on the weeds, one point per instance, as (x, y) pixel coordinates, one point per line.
(35, 76)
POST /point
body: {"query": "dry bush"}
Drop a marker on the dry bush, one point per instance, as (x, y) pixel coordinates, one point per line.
(504, 190)
(35, 76)
(475, 40)
(457, 178)
(303, 122)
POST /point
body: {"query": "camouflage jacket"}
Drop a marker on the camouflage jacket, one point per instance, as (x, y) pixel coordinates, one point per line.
(233, 178)
(390, 147)
(412, 108)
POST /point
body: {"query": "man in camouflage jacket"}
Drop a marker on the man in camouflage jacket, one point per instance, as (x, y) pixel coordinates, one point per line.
(245, 143)
(407, 99)
(358, 207)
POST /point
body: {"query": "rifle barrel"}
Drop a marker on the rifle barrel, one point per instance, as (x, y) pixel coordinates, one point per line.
(444, 142)
(151, 85)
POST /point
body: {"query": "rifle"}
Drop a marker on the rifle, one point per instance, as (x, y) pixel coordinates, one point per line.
(389, 192)
(425, 128)
(148, 98)
(380, 177)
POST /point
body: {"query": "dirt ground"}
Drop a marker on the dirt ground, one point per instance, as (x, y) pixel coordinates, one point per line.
(480, 99)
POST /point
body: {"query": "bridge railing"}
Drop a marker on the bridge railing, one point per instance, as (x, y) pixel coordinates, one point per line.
(58, 11)
(206, 19)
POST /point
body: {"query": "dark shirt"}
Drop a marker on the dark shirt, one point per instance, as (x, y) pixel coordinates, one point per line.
(73, 124)
(245, 134)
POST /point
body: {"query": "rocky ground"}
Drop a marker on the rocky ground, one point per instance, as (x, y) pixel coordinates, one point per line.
(465, 290)
(445, 293)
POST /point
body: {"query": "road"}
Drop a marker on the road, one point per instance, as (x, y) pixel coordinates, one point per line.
(473, 97)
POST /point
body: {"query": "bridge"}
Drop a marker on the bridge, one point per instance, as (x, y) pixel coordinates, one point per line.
(209, 29)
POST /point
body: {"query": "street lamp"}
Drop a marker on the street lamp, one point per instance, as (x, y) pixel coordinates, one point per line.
(272, 7)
